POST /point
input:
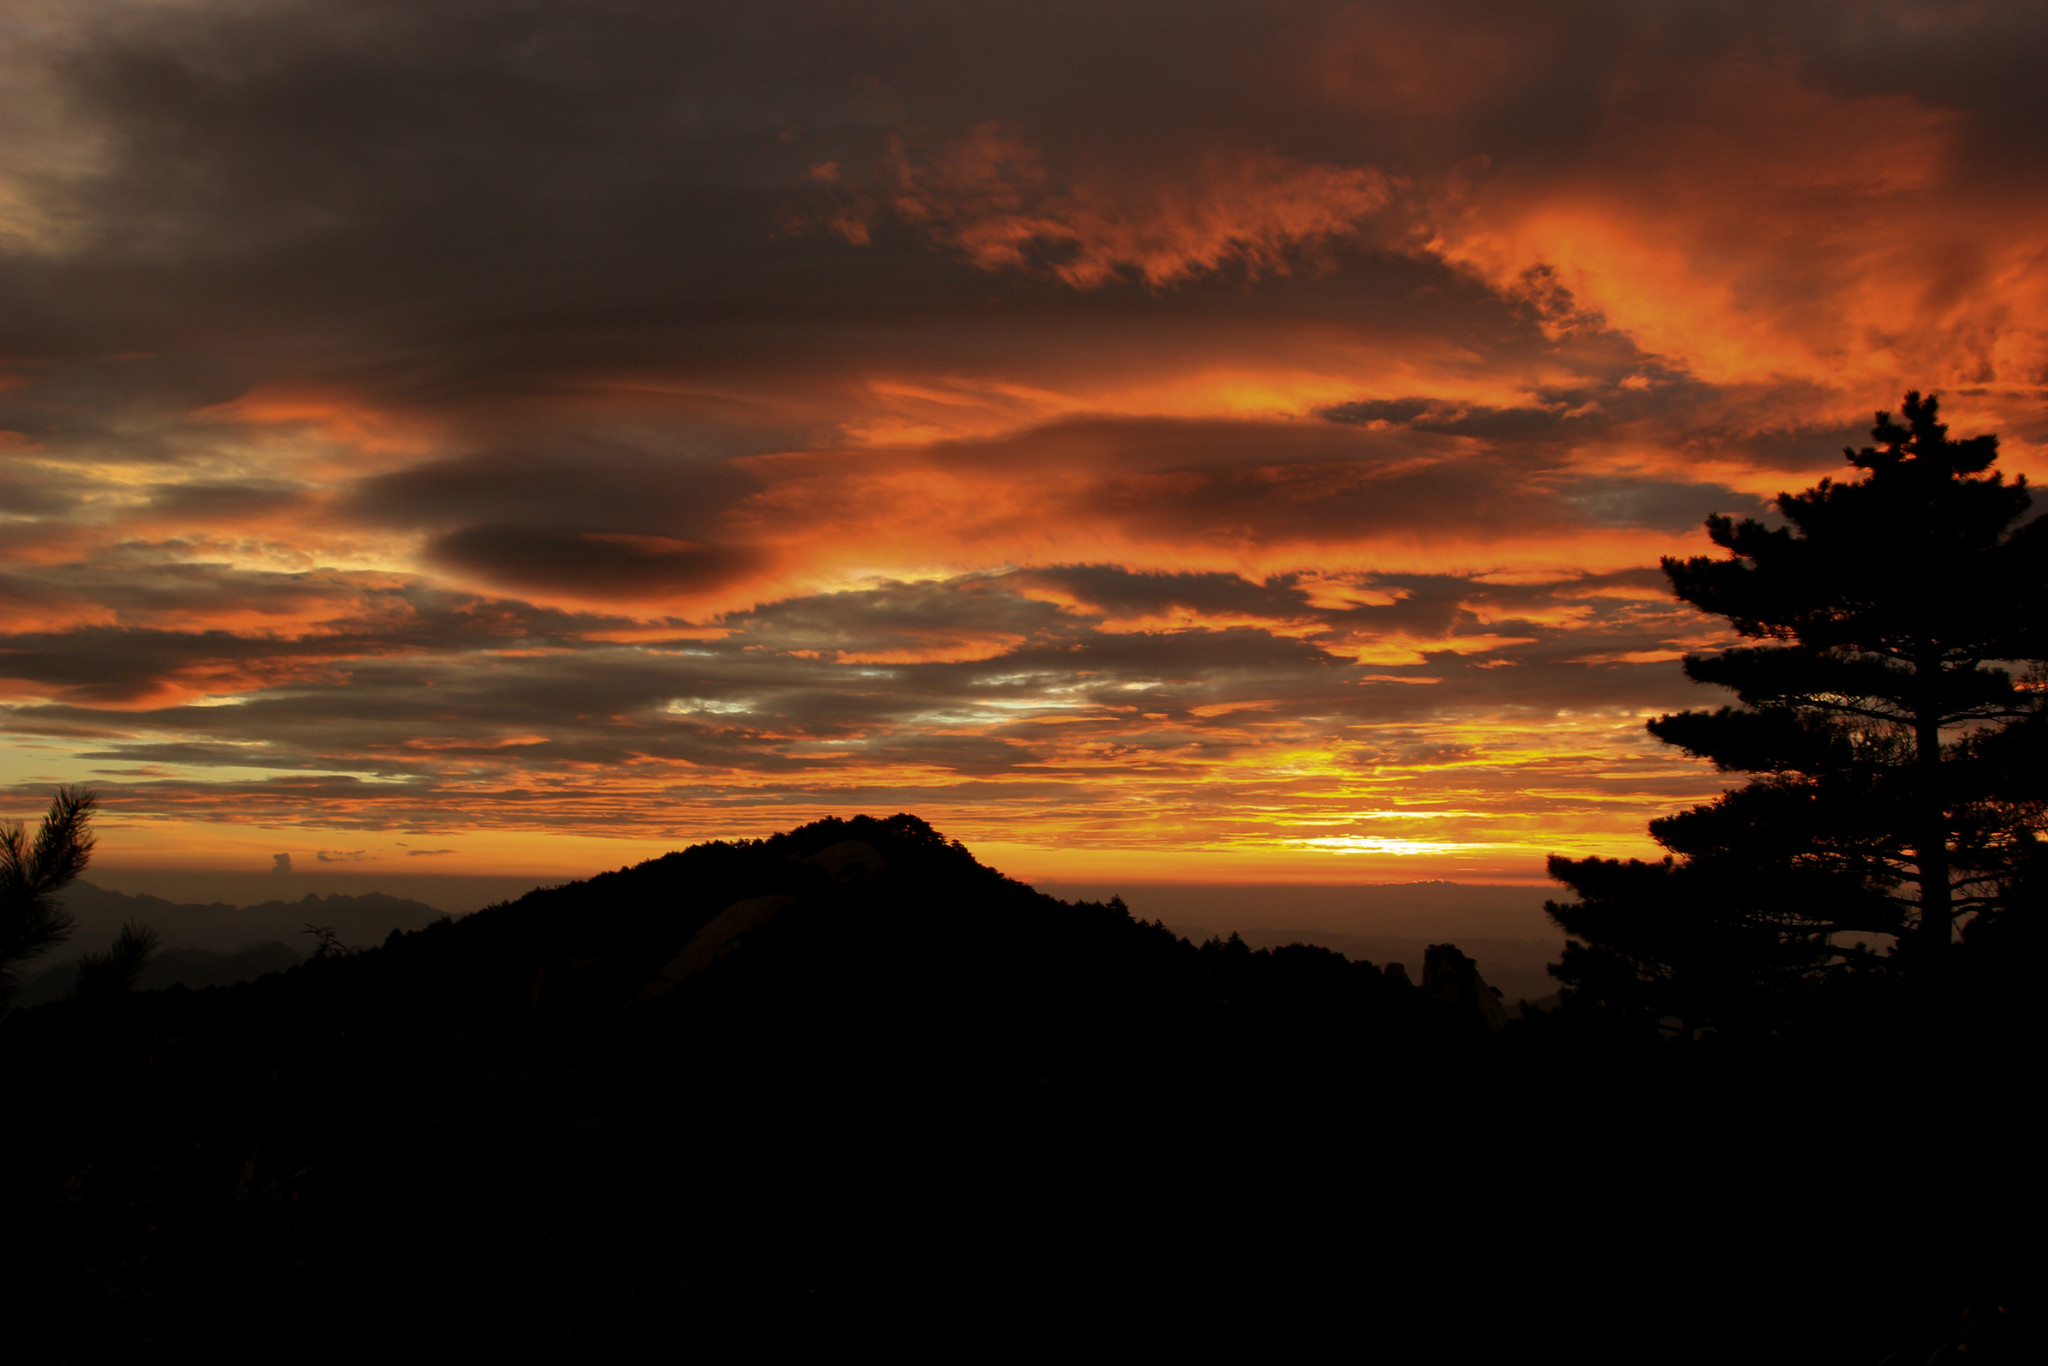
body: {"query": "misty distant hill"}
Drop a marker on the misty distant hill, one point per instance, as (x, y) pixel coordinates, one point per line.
(1501, 926)
(1435, 911)
(453, 893)
(214, 944)
(360, 921)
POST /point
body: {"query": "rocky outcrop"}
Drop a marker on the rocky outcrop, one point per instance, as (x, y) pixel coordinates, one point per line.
(849, 861)
(1454, 979)
(725, 932)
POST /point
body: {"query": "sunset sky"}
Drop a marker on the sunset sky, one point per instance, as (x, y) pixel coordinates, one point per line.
(1183, 440)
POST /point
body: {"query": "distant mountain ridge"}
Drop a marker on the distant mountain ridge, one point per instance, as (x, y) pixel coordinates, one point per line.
(1502, 926)
(220, 927)
(215, 943)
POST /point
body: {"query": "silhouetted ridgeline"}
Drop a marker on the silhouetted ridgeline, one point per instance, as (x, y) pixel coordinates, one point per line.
(848, 1087)
(1503, 927)
(221, 928)
(214, 944)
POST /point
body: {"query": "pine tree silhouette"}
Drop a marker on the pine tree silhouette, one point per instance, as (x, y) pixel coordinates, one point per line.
(31, 875)
(1875, 715)
(113, 971)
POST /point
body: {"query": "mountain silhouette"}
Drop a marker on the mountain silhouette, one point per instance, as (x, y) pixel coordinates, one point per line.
(846, 1086)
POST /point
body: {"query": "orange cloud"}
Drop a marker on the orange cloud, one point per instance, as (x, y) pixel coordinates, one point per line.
(1754, 227)
(363, 428)
(988, 194)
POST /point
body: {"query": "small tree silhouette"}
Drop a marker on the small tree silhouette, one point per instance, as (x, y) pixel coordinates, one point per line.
(114, 971)
(31, 875)
(326, 943)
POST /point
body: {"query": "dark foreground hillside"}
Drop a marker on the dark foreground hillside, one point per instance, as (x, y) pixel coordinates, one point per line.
(847, 1088)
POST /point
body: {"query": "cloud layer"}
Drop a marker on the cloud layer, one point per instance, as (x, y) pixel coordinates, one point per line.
(1250, 428)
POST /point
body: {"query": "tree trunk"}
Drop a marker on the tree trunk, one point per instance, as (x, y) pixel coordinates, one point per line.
(1936, 899)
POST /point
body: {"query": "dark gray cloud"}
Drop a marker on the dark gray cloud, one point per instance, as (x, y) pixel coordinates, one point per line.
(1659, 503)
(592, 488)
(216, 502)
(1118, 590)
(349, 189)
(26, 494)
(613, 566)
